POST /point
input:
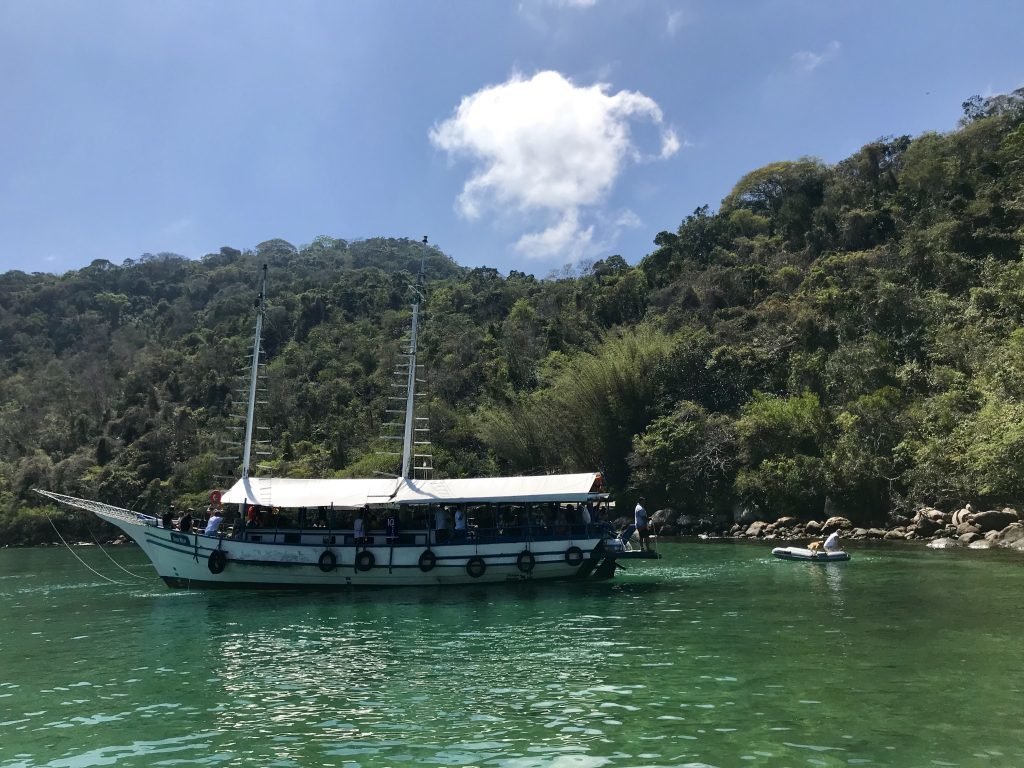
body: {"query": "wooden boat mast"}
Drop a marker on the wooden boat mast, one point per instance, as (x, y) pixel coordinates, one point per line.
(254, 373)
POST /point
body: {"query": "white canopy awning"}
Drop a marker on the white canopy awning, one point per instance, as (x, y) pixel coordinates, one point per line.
(499, 489)
(352, 493)
(294, 492)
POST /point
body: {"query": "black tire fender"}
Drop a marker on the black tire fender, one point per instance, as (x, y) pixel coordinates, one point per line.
(365, 560)
(574, 556)
(217, 561)
(328, 561)
(526, 561)
(427, 560)
(476, 567)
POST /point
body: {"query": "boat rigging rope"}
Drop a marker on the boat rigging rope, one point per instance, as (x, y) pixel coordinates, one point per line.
(106, 578)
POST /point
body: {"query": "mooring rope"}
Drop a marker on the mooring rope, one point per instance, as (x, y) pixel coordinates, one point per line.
(133, 575)
(106, 578)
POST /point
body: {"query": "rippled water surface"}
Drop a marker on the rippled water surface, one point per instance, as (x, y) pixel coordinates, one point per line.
(718, 655)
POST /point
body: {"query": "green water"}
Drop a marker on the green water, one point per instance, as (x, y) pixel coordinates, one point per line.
(718, 655)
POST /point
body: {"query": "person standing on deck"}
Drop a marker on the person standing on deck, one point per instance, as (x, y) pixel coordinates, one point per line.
(460, 523)
(640, 518)
(358, 529)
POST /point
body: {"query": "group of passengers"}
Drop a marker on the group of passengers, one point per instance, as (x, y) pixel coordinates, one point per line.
(449, 522)
(186, 523)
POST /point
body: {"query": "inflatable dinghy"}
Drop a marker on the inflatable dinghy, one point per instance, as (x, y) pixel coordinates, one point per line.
(799, 553)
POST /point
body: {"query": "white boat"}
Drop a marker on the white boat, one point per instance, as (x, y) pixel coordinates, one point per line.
(817, 556)
(512, 528)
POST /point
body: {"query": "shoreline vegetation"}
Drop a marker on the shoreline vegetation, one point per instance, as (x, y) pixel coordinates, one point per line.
(842, 338)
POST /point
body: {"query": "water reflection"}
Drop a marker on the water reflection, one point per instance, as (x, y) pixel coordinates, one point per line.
(716, 656)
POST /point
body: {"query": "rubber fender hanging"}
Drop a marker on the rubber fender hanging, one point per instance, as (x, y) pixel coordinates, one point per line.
(217, 561)
(526, 561)
(328, 562)
(365, 561)
(215, 497)
(574, 556)
(427, 560)
(476, 567)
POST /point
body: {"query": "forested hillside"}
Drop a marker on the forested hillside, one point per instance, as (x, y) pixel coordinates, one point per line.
(847, 336)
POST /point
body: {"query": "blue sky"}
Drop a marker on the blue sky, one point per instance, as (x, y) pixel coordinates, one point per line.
(524, 135)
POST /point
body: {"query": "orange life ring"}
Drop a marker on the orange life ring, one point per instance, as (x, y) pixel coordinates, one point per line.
(215, 497)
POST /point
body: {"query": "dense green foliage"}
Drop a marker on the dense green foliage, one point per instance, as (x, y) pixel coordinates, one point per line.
(846, 336)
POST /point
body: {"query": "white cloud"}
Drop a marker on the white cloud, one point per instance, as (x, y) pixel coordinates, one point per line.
(676, 20)
(628, 220)
(546, 147)
(809, 61)
(565, 239)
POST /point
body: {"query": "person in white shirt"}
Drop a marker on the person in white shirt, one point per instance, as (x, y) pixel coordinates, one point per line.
(213, 524)
(358, 530)
(460, 524)
(640, 518)
(832, 542)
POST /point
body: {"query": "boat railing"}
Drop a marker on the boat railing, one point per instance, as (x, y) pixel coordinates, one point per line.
(413, 537)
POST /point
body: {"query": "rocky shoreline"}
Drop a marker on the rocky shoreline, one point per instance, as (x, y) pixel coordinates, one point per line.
(964, 527)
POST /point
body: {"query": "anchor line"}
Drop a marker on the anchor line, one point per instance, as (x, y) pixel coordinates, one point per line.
(106, 578)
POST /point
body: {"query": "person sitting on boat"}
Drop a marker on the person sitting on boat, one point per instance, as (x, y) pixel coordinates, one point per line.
(213, 524)
(185, 523)
(640, 518)
(832, 542)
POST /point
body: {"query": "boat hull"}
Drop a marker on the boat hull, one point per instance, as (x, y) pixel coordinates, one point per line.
(799, 553)
(196, 561)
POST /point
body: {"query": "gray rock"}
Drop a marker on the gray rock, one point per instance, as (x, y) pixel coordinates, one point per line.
(874, 533)
(834, 523)
(895, 535)
(1011, 533)
(943, 543)
(981, 544)
(813, 528)
(994, 519)
(967, 538)
(757, 529)
(787, 522)
(967, 528)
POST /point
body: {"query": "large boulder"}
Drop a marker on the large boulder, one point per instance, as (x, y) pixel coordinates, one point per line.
(813, 528)
(785, 523)
(994, 519)
(926, 526)
(896, 534)
(836, 523)
(981, 544)
(943, 543)
(1012, 533)
(967, 538)
(757, 529)
(874, 533)
(933, 514)
(965, 528)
